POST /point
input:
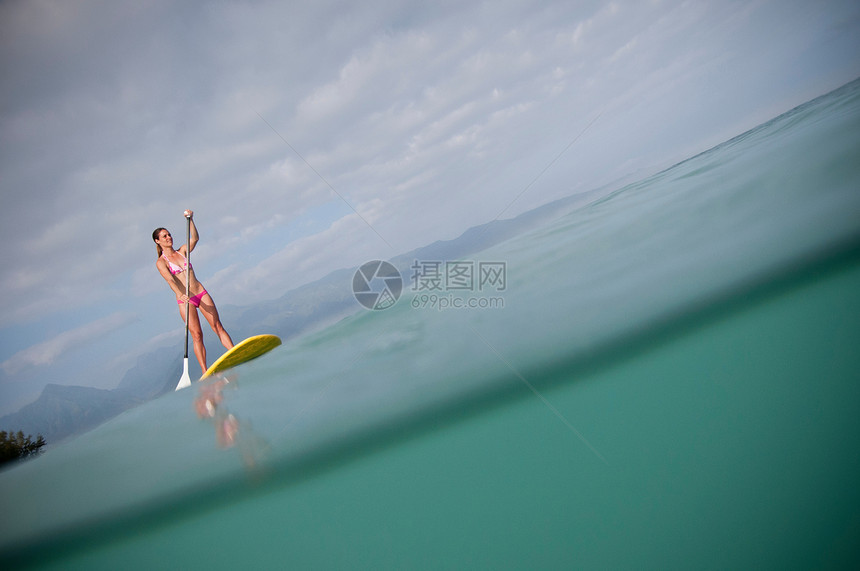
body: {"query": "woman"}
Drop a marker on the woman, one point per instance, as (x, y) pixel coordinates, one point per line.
(173, 265)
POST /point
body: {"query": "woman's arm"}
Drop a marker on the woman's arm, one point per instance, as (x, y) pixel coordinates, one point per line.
(195, 237)
(161, 264)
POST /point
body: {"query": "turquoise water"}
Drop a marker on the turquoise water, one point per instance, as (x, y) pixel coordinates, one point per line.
(671, 383)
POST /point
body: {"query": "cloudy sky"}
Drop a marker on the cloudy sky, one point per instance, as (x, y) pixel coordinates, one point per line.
(312, 136)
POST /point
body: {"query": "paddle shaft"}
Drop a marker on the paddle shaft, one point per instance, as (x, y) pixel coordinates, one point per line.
(187, 284)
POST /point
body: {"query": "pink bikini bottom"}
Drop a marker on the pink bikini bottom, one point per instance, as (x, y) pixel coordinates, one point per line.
(195, 299)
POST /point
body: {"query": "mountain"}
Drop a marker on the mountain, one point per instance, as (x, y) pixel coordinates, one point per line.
(64, 411)
(330, 298)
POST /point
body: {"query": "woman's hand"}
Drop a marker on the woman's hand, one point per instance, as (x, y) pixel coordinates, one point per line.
(188, 214)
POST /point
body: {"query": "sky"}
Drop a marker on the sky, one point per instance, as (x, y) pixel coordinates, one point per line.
(309, 137)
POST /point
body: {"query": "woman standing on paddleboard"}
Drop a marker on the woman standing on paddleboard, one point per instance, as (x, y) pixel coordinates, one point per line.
(173, 265)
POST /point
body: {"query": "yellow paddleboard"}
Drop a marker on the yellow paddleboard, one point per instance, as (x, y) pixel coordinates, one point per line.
(250, 348)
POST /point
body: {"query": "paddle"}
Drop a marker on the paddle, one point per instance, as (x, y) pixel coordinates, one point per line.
(185, 379)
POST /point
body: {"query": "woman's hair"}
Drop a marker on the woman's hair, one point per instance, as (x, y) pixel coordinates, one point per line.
(155, 234)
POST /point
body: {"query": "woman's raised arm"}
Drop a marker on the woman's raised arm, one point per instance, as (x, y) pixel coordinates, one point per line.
(195, 236)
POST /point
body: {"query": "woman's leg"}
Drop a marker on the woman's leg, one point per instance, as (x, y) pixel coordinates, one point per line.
(196, 333)
(210, 312)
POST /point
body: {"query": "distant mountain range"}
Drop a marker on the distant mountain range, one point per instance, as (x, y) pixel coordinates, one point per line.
(63, 411)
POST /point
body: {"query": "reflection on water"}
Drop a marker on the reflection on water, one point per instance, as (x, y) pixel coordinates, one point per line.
(211, 404)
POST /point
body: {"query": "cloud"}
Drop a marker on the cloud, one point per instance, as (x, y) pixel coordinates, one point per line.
(348, 241)
(47, 352)
(122, 362)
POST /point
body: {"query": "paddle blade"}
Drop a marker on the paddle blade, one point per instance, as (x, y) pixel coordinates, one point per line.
(185, 379)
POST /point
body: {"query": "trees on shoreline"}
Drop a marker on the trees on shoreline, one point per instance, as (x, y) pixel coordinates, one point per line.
(15, 445)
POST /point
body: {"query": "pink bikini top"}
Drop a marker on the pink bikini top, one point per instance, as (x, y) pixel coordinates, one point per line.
(174, 269)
